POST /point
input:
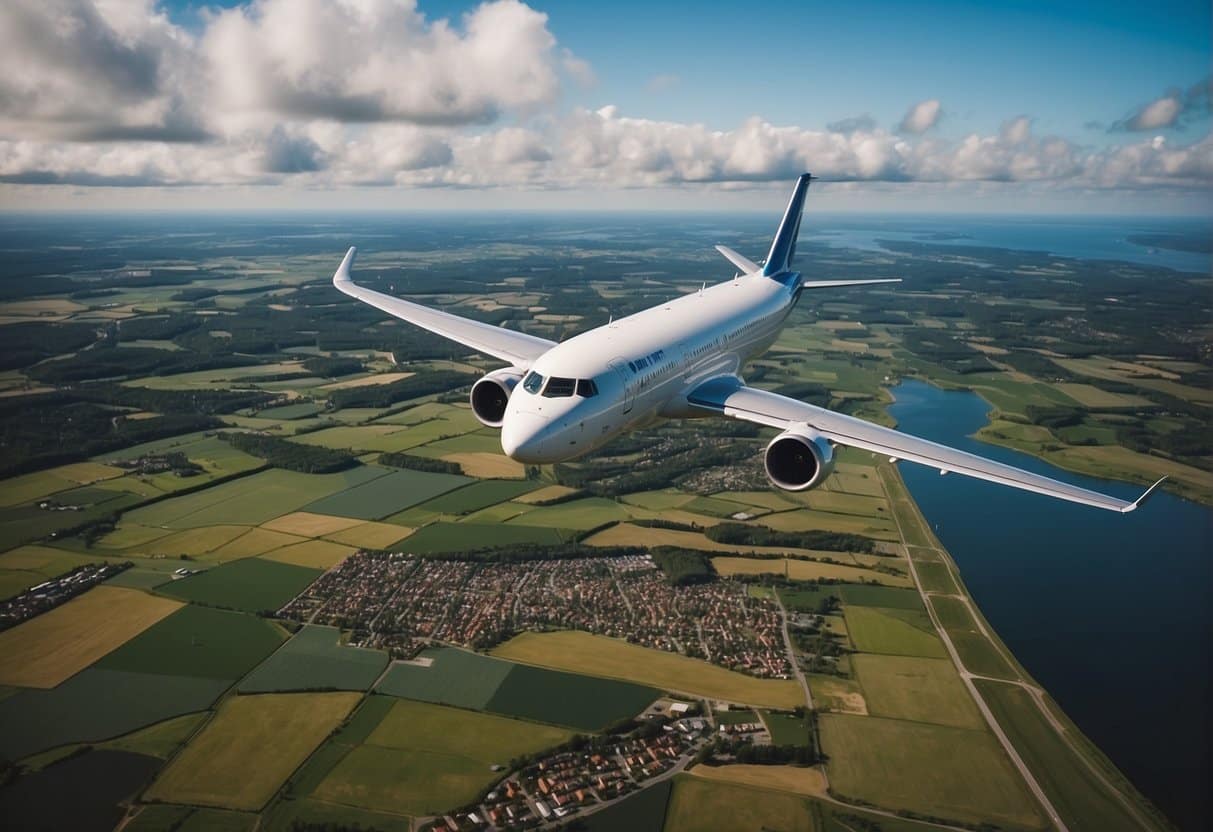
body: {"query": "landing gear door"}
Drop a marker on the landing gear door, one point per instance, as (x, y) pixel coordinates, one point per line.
(625, 378)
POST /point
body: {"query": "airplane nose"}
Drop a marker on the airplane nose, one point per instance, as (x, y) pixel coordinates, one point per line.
(522, 436)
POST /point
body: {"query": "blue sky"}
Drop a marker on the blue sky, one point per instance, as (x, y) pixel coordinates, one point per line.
(1072, 100)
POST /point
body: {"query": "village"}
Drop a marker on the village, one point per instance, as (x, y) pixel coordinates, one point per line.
(402, 603)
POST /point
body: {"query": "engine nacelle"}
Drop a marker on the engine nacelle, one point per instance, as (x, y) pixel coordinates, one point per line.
(799, 459)
(491, 394)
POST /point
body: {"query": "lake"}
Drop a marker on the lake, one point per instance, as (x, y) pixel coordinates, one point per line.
(1111, 613)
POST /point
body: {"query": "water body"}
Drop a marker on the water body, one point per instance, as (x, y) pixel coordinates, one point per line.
(1095, 238)
(1111, 613)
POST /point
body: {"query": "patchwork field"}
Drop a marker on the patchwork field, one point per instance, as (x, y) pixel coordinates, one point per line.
(386, 494)
(448, 537)
(601, 656)
(897, 632)
(698, 804)
(843, 696)
(470, 680)
(249, 749)
(250, 584)
(797, 779)
(47, 649)
(943, 772)
(198, 641)
(315, 660)
(98, 704)
(425, 759)
(314, 554)
(923, 690)
(478, 495)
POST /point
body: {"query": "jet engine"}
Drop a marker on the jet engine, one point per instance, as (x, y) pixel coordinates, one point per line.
(491, 394)
(799, 459)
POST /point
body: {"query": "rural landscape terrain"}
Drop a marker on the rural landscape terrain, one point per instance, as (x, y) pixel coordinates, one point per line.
(262, 568)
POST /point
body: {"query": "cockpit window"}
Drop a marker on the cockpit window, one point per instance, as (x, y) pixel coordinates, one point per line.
(586, 387)
(559, 388)
(532, 382)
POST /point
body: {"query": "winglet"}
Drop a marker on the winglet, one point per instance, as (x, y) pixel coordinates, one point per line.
(342, 275)
(783, 247)
(1141, 501)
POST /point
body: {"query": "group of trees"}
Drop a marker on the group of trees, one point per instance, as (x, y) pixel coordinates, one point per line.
(293, 456)
(385, 395)
(683, 567)
(742, 534)
(419, 463)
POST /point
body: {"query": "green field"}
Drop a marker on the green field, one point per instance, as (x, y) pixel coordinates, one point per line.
(470, 680)
(641, 812)
(454, 677)
(735, 716)
(787, 729)
(250, 500)
(161, 739)
(251, 584)
(806, 598)
(880, 596)
(391, 492)
(583, 514)
(935, 577)
(897, 632)
(478, 495)
(922, 690)
(425, 759)
(198, 641)
(944, 772)
(698, 805)
(284, 815)
(451, 537)
(98, 704)
(247, 751)
(1081, 799)
(314, 660)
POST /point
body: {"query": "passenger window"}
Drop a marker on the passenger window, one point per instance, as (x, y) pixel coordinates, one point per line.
(586, 387)
(559, 388)
(532, 382)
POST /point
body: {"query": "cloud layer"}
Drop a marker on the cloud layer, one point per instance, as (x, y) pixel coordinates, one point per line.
(343, 93)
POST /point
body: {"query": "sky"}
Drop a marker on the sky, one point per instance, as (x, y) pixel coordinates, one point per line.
(1018, 107)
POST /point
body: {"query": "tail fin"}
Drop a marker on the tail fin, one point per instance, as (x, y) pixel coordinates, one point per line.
(783, 247)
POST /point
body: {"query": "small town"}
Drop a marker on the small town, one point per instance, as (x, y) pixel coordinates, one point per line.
(402, 603)
(50, 594)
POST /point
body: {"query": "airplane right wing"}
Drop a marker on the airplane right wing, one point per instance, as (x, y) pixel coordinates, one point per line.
(729, 396)
(518, 348)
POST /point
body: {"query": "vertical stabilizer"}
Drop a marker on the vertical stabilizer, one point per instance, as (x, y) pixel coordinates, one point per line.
(783, 247)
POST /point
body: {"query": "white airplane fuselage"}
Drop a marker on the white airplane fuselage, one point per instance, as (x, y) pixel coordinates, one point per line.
(643, 366)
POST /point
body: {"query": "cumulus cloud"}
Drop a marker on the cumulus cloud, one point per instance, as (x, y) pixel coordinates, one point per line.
(381, 61)
(1171, 109)
(109, 71)
(921, 117)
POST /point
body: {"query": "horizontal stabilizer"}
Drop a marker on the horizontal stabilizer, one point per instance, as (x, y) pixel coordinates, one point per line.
(834, 284)
(747, 266)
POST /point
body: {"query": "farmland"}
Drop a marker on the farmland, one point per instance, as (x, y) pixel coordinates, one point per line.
(923, 690)
(424, 758)
(897, 632)
(48, 649)
(945, 772)
(600, 656)
(246, 753)
(315, 660)
(251, 584)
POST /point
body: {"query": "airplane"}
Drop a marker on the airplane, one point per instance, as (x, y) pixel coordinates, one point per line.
(683, 359)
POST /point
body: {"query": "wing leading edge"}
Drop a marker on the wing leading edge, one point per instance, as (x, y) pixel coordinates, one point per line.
(730, 397)
(518, 348)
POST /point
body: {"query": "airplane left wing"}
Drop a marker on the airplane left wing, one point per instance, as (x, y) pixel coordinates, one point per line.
(518, 348)
(729, 396)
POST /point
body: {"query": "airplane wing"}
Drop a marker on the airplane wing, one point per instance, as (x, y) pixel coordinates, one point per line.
(730, 396)
(518, 348)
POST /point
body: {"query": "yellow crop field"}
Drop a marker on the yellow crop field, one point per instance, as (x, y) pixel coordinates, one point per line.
(191, 542)
(370, 535)
(51, 647)
(602, 656)
(548, 492)
(803, 570)
(317, 554)
(366, 381)
(799, 779)
(255, 541)
(625, 534)
(307, 524)
(242, 757)
(487, 465)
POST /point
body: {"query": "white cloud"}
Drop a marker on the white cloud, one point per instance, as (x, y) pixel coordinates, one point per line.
(921, 117)
(1171, 109)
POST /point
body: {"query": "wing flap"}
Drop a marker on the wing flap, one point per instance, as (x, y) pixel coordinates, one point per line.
(518, 348)
(731, 397)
